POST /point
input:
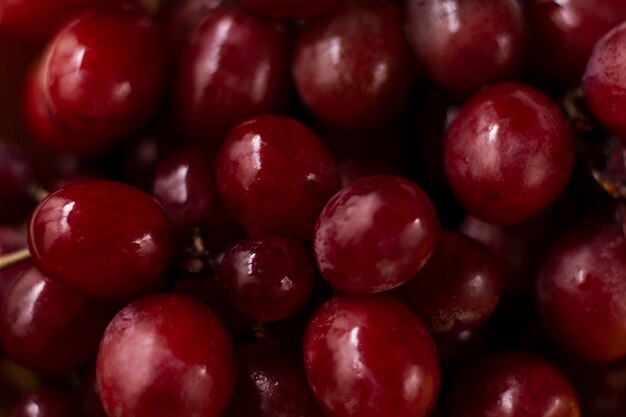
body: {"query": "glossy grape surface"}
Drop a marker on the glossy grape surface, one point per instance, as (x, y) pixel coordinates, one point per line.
(353, 67)
(582, 293)
(49, 328)
(102, 78)
(604, 80)
(275, 175)
(458, 288)
(508, 154)
(368, 355)
(165, 355)
(102, 238)
(375, 234)
(267, 278)
(464, 44)
(235, 66)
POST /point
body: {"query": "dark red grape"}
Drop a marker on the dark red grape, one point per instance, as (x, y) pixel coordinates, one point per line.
(267, 278)
(582, 292)
(369, 356)
(457, 289)
(275, 175)
(101, 79)
(375, 234)
(236, 66)
(49, 328)
(165, 355)
(464, 44)
(103, 238)
(605, 80)
(353, 67)
(509, 154)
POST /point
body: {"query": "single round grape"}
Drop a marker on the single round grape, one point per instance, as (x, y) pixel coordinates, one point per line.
(49, 328)
(235, 66)
(102, 238)
(509, 154)
(102, 77)
(458, 288)
(165, 355)
(605, 80)
(465, 44)
(369, 356)
(267, 278)
(275, 175)
(581, 292)
(375, 234)
(353, 67)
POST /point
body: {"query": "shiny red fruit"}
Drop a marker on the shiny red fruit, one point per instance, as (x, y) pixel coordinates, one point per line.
(512, 385)
(165, 355)
(465, 44)
(604, 80)
(457, 289)
(267, 278)
(375, 234)
(369, 356)
(509, 154)
(582, 293)
(353, 67)
(102, 238)
(275, 175)
(48, 328)
(235, 66)
(102, 77)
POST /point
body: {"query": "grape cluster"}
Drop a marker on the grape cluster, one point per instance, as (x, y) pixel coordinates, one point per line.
(312, 208)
